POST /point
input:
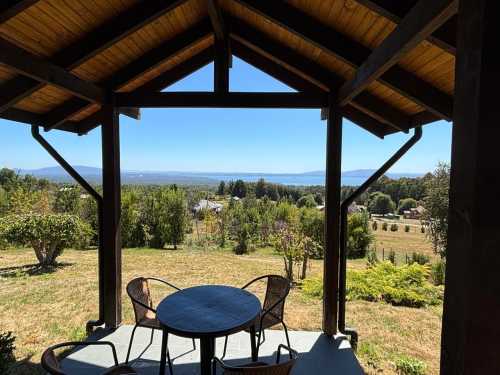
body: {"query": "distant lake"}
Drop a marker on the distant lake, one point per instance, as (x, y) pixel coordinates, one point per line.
(285, 179)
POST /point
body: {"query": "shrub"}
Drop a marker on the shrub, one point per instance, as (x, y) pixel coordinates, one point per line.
(438, 271)
(422, 229)
(6, 351)
(243, 234)
(405, 285)
(374, 225)
(359, 236)
(392, 257)
(372, 257)
(313, 287)
(419, 258)
(369, 353)
(384, 226)
(48, 234)
(407, 228)
(394, 227)
(410, 366)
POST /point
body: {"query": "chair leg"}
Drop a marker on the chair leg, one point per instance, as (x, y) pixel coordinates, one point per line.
(169, 360)
(286, 334)
(194, 345)
(225, 347)
(263, 337)
(152, 335)
(130, 343)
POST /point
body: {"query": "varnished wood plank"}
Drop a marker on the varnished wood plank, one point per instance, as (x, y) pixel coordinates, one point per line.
(425, 17)
(11, 8)
(44, 71)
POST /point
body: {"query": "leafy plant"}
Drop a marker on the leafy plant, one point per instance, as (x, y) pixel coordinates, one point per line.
(410, 366)
(438, 271)
(394, 227)
(391, 257)
(6, 351)
(407, 228)
(359, 236)
(313, 287)
(384, 226)
(369, 353)
(374, 225)
(419, 258)
(372, 257)
(48, 234)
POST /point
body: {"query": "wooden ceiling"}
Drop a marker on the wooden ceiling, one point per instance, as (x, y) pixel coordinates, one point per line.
(131, 45)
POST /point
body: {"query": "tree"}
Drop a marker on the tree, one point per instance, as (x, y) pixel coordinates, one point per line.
(221, 189)
(359, 235)
(307, 201)
(436, 208)
(289, 244)
(48, 234)
(312, 225)
(406, 204)
(177, 219)
(239, 189)
(260, 188)
(380, 203)
(67, 199)
(319, 199)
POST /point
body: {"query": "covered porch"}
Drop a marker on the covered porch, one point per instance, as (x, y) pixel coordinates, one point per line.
(427, 60)
(318, 353)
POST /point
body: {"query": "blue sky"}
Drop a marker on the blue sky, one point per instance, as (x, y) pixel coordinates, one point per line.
(227, 140)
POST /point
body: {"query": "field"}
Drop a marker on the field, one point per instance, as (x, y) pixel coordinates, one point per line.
(44, 308)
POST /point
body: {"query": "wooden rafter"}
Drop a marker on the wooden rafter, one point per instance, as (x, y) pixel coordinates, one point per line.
(133, 70)
(222, 100)
(11, 8)
(444, 37)
(299, 83)
(159, 83)
(222, 48)
(25, 62)
(366, 102)
(89, 46)
(425, 17)
(352, 53)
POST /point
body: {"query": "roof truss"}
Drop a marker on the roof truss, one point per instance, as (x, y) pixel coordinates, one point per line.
(352, 53)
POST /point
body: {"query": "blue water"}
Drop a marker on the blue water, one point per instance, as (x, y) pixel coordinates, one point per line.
(286, 179)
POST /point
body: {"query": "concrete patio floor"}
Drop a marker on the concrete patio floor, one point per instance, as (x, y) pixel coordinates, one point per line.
(319, 354)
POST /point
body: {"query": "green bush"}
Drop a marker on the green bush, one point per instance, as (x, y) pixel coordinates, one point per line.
(372, 257)
(384, 226)
(405, 285)
(374, 225)
(6, 351)
(407, 228)
(419, 258)
(394, 227)
(313, 287)
(359, 236)
(422, 229)
(410, 366)
(48, 234)
(438, 271)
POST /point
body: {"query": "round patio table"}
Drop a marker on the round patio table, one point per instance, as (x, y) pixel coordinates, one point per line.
(207, 312)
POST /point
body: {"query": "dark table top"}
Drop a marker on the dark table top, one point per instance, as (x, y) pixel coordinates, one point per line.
(208, 310)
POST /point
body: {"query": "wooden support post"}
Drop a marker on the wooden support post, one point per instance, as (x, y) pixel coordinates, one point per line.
(221, 66)
(332, 219)
(112, 252)
(471, 317)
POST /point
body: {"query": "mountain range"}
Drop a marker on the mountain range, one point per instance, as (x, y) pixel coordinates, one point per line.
(93, 175)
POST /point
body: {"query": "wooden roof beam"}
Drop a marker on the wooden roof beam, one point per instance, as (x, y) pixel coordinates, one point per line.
(299, 83)
(395, 10)
(159, 83)
(425, 17)
(89, 46)
(131, 71)
(322, 77)
(352, 53)
(44, 71)
(11, 8)
(222, 47)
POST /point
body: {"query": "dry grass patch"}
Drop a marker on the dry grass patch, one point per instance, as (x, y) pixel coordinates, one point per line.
(45, 308)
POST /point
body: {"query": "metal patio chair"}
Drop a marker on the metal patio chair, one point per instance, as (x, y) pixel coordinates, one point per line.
(259, 368)
(51, 364)
(273, 308)
(145, 313)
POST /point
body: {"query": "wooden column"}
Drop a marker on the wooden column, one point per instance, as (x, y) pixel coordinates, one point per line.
(111, 257)
(471, 318)
(332, 218)
(221, 66)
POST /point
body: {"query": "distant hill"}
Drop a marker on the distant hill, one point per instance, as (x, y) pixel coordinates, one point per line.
(93, 175)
